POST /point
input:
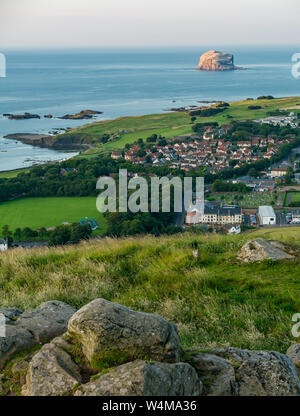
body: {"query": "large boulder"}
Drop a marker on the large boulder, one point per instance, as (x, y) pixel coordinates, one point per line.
(111, 332)
(216, 373)
(294, 354)
(141, 378)
(216, 61)
(261, 249)
(52, 372)
(262, 373)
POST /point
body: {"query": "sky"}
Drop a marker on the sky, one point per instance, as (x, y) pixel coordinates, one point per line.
(138, 23)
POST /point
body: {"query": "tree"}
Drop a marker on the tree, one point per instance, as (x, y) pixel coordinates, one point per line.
(6, 232)
(253, 173)
(80, 232)
(60, 236)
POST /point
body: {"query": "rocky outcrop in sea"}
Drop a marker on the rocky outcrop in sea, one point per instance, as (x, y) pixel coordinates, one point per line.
(217, 61)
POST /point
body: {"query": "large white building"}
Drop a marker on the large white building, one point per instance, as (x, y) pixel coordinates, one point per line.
(266, 215)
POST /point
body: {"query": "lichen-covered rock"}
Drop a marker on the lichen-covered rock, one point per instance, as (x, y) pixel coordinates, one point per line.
(25, 329)
(141, 378)
(47, 321)
(106, 330)
(294, 354)
(262, 373)
(261, 249)
(51, 372)
(11, 314)
(16, 339)
(216, 373)
(216, 61)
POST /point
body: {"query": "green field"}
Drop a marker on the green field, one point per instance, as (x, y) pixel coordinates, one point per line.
(12, 173)
(295, 197)
(249, 200)
(48, 212)
(292, 197)
(170, 124)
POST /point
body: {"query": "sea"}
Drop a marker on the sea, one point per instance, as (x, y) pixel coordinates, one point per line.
(124, 82)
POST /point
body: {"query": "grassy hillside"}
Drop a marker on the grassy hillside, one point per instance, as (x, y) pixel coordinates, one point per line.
(12, 173)
(171, 124)
(213, 299)
(48, 212)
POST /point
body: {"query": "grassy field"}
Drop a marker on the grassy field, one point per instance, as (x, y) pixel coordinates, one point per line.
(293, 197)
(249, 200)
(48, 212)
(12, 173)
(171, 124)
(214, 299)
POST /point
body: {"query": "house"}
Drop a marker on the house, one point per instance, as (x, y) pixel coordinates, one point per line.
(266, 215)
(278, 172)
(63, 171)
(116, 155)
(3, 245)
(222, 215)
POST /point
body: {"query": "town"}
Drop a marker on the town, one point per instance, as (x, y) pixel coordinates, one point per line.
(209, 150)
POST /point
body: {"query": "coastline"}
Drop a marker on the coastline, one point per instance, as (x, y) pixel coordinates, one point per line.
(47, 141)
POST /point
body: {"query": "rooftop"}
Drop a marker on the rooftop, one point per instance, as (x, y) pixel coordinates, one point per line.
(266, 211)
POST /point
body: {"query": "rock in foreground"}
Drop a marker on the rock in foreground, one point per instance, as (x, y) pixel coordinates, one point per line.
(34, 326)
(111, 350)
(141, 378)
(106, 330)
(217, 61)
(261, 249)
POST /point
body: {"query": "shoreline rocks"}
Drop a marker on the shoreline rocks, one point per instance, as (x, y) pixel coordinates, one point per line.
(25, 116)
(48, 141)
(84, 114)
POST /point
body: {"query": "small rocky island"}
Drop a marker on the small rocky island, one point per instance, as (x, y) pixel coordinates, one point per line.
(217, 61)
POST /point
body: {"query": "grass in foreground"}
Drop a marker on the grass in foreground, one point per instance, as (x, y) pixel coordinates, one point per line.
(48, 212)
(214, 300)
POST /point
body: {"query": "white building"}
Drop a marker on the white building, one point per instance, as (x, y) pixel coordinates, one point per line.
(3, 245)
(266, 215)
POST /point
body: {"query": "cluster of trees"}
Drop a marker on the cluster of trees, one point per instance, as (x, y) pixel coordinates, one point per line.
(69, 234)
(200, 127)
(122, 224)
(62, 234)
(246, 129)
(265, 97)
(220, 186)
(207, 112)
(254, 107)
